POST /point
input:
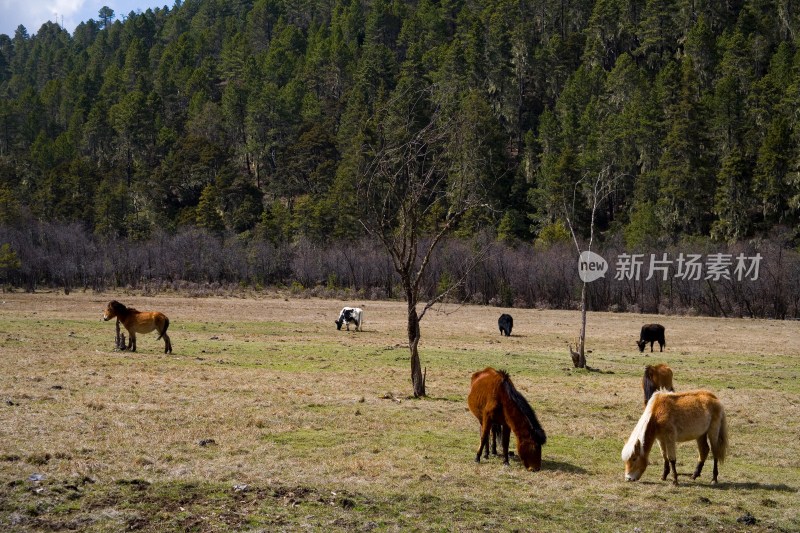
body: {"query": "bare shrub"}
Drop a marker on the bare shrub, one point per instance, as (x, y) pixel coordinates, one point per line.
(199, 263)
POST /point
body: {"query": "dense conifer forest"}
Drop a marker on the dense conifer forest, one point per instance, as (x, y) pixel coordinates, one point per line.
(243, 123)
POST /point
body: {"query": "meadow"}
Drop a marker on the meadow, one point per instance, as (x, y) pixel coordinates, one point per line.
(266, 418)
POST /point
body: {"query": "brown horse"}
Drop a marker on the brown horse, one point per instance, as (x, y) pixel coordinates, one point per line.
(656, 377)
(139, 322)
(672, 417)
(494, 400)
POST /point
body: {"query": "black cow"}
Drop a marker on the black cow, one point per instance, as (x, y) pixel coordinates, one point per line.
(505, 323)
(651, 333)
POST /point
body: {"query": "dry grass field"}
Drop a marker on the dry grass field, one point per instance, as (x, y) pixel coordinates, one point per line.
(266, 418)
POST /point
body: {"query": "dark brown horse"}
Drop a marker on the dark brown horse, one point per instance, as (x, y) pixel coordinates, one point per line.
(139, 322)
(656, 377)
(494, 400)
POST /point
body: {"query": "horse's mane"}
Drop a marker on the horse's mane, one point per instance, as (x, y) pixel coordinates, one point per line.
(522, 404)
(638, 433)
(121, 308)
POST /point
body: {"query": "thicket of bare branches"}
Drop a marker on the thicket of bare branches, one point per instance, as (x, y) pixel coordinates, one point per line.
(65, 256)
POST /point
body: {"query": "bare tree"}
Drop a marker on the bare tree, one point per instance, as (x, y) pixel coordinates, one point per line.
(597, 189)
(414, 188)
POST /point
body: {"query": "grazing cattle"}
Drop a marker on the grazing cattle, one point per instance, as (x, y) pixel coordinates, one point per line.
(139, 322)
(651, 333)
(350, 315)
(494, 400)
(656, 377)
(673, 417)
(505, 323)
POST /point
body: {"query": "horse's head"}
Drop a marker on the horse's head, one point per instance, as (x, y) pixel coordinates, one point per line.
(338, 323)
(113, 309)
(531, 454)
(641, 345)
(636, 464)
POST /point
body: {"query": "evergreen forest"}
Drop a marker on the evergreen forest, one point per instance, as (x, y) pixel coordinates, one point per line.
(244, 122)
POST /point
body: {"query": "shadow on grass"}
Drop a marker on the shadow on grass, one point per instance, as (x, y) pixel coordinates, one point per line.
(733, 485)
(598, 370)
(546, 465)
(563, 467)
(439, 398)
(724, 485)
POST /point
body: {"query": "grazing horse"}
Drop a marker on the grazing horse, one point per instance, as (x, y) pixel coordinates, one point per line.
(656, 377)
(494, 400)
(139, 322)
(672, 417)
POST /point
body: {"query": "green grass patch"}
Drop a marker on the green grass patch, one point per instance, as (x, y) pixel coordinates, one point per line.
(257, 423)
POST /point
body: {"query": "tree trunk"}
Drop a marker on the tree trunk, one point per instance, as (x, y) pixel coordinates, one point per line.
(581, 352)
(579, 356)
(417, 378)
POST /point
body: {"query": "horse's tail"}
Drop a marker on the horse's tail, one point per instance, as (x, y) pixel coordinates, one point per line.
(722, 438)
(537, 432)
(166, 325)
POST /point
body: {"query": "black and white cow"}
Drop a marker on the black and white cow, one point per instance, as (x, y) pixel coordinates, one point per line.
(505, 323)
(651, 333)
(350, 315)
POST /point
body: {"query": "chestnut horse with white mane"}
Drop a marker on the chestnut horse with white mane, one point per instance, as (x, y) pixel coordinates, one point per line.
(673, 417)
(139, 322)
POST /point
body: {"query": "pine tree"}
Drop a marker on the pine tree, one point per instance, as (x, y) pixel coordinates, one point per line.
(771, 173)
(207, 212)
(685, 181)
(733, 201)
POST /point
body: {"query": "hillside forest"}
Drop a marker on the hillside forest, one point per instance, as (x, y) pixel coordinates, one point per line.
(239, 127)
